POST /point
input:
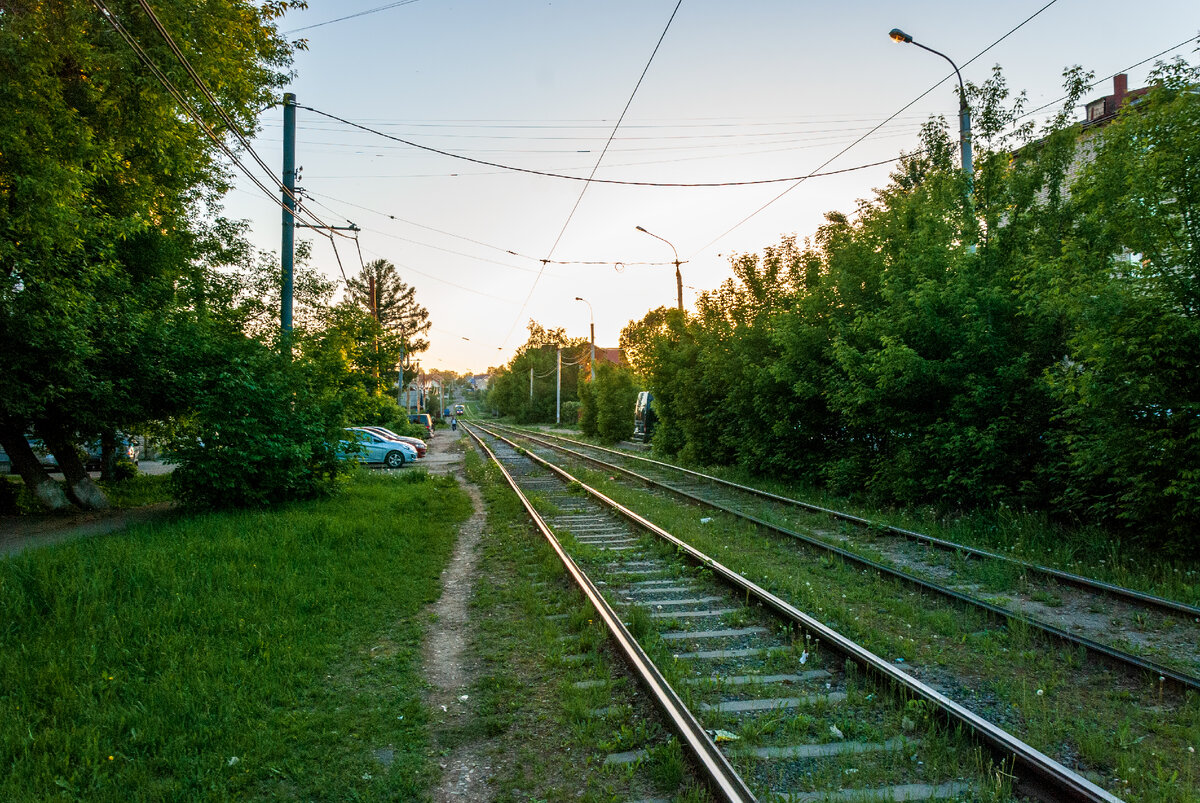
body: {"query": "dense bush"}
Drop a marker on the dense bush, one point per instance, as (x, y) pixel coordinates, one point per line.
(615, 396)
(1052, 364)
(260, 433)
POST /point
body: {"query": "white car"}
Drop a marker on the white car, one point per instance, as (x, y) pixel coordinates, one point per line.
(372, 448)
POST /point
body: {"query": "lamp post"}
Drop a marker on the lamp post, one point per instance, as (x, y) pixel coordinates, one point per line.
(593, 320)
(678, 275)
(964, 111)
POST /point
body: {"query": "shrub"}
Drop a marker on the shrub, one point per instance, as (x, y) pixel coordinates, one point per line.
(261, 433)
(616, 395)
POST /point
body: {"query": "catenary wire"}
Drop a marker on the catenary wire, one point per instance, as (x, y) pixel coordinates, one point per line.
(592, 175)
(904, 108)
(470, 240)
(351, 16)
(174, 91)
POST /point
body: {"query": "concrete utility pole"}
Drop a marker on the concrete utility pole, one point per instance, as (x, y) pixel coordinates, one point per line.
(288, 243)
(558, 389)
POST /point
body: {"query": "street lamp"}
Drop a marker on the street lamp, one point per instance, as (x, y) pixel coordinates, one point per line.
(678, 275)
(964, 111)
(593, 319)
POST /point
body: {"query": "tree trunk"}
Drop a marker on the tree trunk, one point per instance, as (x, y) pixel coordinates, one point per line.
(26, 463)
(79, 486)
(108, 456)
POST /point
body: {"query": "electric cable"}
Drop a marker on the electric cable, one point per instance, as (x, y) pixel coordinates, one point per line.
(592, 175)
(904, 108)
(144, 57)
(1097, 83)
(619, 182)
(313, 196)
(351, 16)
(230, 124)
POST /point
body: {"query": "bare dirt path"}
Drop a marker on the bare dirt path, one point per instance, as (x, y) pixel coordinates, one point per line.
(447, 659)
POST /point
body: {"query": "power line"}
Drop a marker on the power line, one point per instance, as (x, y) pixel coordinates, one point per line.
(351, 16)
(904, 108)
(592, 175)
(229, 122)
(174, 91)
(1097, 83)
(593, 180)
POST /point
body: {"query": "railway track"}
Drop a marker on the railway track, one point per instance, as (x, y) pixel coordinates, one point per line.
(768, 701)
(1140, 631)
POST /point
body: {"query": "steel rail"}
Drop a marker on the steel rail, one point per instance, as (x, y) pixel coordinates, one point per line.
(719, 773)
(1080, 581)
(1047, 779)
(1181, 679)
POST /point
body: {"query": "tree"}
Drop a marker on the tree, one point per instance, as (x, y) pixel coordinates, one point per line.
(1128, 285)
(402, 321)
(102, 180)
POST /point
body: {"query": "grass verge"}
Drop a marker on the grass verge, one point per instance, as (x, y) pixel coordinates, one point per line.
(261, 655)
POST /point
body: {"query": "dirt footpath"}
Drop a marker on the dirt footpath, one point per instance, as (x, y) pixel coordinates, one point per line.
(447, 658)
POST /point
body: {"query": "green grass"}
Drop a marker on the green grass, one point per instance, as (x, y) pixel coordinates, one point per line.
(138, 491)
(144, 489)
(544, 741)
(1129, 735)
(252, 655)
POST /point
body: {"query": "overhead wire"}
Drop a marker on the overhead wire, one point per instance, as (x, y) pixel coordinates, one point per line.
(351, 16)
(471, 240)
(1100, 81)
(592, 175)
(187, 106)
(902, 109)
(621, 182)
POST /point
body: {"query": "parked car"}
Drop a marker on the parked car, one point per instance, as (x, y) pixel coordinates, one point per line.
(127, 448)
(368, 447)
(644, 418)
(415, 443)
(424, 419)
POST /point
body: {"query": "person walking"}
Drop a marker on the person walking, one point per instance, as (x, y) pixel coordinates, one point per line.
(454, 424)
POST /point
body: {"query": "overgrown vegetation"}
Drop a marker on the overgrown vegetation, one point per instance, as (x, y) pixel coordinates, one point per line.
(251, 655)
(1028, 341)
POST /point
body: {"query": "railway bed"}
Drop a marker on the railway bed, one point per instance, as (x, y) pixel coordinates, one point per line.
(800, 712)
(1158, 636)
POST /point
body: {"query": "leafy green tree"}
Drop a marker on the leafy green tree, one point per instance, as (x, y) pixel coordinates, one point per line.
(1129, 285)
(615, 394)
(102, 177)
(403, 323)
(509, 392)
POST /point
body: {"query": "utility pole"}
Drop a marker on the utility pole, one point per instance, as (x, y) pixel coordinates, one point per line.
(288, 240)
(558, 388)
(531, 384)
(375, 316)
(288, 244)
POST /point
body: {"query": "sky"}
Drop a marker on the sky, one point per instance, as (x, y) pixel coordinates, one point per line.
(736, 91)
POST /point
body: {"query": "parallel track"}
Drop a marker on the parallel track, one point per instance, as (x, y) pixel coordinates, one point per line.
(604, 535)
(733, 501)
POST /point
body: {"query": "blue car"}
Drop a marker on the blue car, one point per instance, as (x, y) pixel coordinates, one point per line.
(368, 447)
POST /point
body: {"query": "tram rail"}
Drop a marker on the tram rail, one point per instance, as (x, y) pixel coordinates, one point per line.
(1035, 774)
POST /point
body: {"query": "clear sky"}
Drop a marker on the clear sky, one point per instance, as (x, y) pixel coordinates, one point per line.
(737, 91)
